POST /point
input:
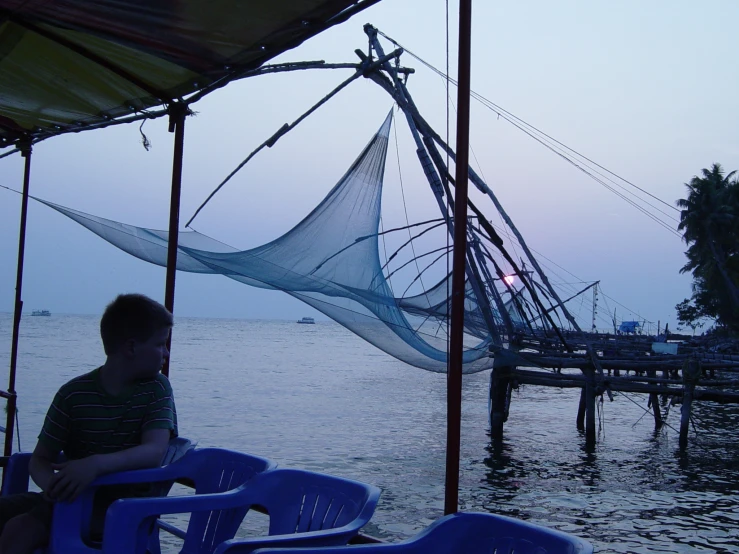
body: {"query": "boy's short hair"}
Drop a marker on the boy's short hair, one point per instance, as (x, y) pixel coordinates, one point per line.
(132, 316)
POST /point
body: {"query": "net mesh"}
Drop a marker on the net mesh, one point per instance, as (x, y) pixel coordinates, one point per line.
(330, 261)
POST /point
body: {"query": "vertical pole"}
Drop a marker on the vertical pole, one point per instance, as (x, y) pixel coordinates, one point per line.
(580, 422)
(500, 383)
(595, 306)
(654, 403)
(685, 414)
(589, 408)
(18, 308)
(177, 114)
(454, 374)
(691, 375)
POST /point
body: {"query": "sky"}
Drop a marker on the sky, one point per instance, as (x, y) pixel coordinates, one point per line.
(646, 89)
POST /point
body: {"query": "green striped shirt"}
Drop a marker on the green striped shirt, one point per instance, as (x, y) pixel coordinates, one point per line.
(84, 420)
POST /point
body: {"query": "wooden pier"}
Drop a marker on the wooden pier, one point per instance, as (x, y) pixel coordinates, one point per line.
(601, 364)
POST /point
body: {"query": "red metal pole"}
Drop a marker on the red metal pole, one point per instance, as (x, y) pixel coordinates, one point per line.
(454, 374)
(12, 397)
(177, 115)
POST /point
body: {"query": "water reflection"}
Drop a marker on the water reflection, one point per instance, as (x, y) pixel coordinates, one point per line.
(319, 398)
(625, 495)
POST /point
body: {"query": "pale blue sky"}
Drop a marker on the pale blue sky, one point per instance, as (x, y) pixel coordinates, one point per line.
(647, 89)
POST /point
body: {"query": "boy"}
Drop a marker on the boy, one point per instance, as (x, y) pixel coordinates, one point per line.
(118, 417)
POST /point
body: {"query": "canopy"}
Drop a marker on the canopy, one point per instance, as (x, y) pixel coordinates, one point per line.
(70, 65)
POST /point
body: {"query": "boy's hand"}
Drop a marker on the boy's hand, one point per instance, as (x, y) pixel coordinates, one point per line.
(71, 478)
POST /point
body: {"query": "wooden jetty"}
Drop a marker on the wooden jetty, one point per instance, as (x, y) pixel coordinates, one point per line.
(601, 364)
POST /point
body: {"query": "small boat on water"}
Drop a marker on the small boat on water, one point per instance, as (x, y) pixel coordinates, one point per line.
(41, 313)
(307, 320)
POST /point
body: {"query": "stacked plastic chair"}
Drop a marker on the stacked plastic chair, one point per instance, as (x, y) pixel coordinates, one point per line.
(208, 470)
(305, 509)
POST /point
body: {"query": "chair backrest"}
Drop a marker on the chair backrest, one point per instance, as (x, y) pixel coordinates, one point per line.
(215, 470)
(15, 474)
(480, 533)
(178, 447)
(298, 501)
(468, 533)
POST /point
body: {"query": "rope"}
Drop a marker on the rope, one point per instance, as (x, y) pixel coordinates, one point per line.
(144, 139)
(405, 210)
(504, 228)
(547, 142)
(384, 248)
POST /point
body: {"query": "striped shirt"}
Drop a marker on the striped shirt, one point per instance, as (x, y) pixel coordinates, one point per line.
(84, 419)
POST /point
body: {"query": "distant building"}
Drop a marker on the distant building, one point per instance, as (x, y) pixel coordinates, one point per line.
(629, 327)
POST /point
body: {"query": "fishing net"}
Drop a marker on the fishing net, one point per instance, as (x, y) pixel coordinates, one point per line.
(330, 261)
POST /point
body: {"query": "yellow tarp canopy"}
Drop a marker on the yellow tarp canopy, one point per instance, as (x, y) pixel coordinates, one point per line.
(68, 65)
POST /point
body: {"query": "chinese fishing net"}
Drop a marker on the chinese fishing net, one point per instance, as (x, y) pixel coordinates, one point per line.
(330, 261)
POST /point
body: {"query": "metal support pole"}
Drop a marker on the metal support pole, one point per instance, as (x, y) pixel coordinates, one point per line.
(18, 308)
(456, 347)
(177, 114)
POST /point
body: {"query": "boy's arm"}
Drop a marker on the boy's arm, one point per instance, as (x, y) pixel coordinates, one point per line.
(40, 466)
(73, 476)
(149, 453)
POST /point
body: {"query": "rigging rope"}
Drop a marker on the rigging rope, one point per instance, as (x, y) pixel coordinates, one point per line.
(520, 124)
(504, 229)
(405, 206)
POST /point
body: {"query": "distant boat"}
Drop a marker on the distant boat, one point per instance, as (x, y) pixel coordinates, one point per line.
(307, 320)
(41, 312)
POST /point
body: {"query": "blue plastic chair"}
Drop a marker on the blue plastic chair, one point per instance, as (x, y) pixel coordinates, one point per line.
(15, 475)
(304, 508)
(209, 470)
(16, 479)
(467, 533)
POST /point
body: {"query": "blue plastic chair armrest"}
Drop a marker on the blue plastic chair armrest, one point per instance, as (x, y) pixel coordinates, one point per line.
(368, 510)
(153, 475)
(69, 516)
(327, 537)
(127, 518)
(171, 529)
(349, 549)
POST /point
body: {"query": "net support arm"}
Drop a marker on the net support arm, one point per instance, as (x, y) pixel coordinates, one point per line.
(361, 69)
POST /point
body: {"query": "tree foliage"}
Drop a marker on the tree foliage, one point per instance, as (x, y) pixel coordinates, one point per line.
(709, 220)
(689, 315)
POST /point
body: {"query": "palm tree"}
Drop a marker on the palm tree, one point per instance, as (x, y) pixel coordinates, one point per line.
(709, 220)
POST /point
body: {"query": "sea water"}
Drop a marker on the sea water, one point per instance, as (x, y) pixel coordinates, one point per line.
(317, 397)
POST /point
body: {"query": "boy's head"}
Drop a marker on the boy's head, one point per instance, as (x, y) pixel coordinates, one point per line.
(134, 324)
